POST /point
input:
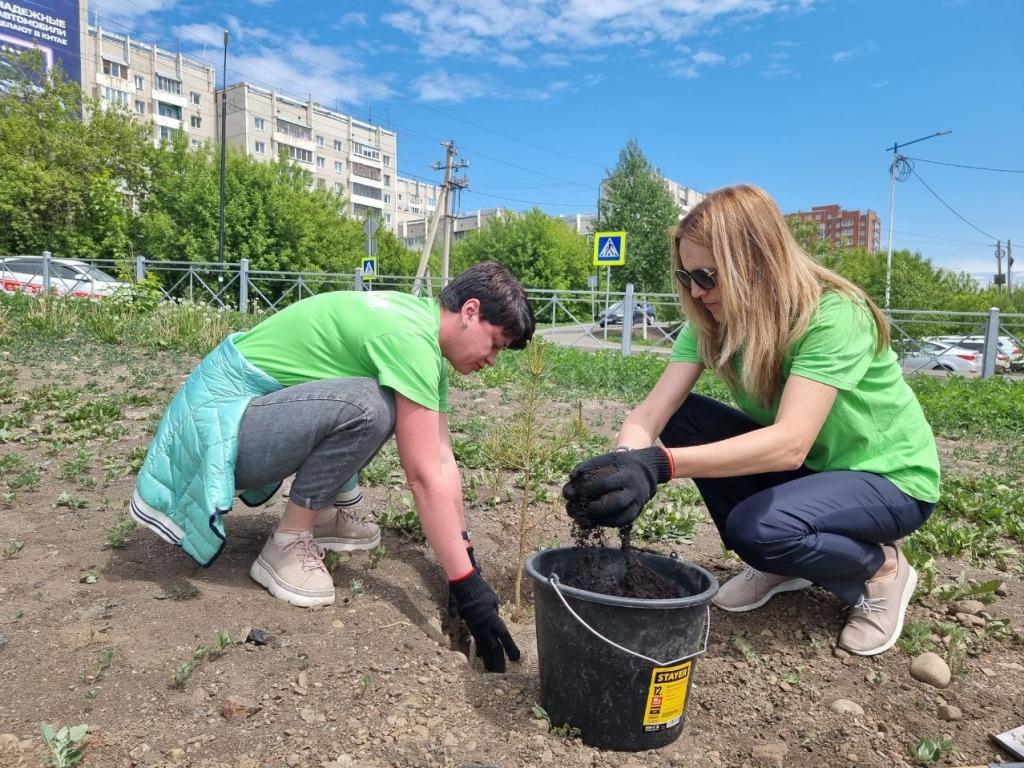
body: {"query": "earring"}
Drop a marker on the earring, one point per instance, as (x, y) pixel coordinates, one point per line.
(465, 325)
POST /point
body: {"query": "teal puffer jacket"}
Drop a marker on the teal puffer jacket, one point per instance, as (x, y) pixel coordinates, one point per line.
(187, 481)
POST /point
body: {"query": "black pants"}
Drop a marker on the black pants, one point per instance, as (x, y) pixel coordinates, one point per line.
(822, 526)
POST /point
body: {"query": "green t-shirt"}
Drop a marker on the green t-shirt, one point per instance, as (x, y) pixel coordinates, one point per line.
(876, 424)
(383, 335)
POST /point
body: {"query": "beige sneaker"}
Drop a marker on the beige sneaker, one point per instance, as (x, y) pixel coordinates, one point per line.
(342, 529)
(875, 623)
(750, 589)
(291, 566)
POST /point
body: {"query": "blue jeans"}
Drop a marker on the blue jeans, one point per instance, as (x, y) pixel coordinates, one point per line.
(323, 432)
(822, 526)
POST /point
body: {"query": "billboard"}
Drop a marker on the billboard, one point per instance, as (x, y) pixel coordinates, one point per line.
(52, 26)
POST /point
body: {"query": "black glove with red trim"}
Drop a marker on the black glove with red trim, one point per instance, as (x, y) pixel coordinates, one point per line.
(478, 606)
(611, 489)
(453, 608)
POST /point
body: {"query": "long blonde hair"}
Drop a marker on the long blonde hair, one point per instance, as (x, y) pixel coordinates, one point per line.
(769, 288)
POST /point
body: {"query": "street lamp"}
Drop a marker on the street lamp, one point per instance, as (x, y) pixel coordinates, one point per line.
(898, 171)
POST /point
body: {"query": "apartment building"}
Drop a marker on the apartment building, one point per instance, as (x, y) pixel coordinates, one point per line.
(172, 92)
(684, 197)
(850, 229)
(354, 159)
(413, 232)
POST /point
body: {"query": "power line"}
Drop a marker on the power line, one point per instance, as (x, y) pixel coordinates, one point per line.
(971, 167)
(944, 239)
(529, 202)
(936, 195)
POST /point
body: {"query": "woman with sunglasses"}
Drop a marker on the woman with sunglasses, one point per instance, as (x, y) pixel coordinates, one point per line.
(829, 459)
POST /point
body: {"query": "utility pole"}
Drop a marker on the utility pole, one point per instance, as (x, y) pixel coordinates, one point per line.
(999, 278)
(443, 211)
(1009, 269)
(899, 170)
(223, 154)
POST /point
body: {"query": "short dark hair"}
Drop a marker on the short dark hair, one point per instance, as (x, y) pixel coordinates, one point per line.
(502, 299)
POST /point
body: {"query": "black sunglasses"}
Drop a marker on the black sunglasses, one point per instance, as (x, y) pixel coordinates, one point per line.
(704, 277)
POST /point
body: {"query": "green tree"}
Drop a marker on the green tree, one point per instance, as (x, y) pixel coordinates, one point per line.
(63, 180)
(634, 199)
(541, 251)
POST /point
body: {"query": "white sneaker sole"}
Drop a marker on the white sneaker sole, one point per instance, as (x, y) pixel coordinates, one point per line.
(348, 545)
(908, 592)
(263, 576)
(786, 586)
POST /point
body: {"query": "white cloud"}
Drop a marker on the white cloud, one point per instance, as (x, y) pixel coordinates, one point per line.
(130, 9)
(262, 3)
(880, 84)
(688, 65)
(440, 86)
(844, 55)
(353, 18)
(486, 28)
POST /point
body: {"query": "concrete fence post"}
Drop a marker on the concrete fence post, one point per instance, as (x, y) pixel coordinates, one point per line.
(140, 268)
(988, 352)
(46, 273)
(627, 320)
(243, 286)
(358, 282)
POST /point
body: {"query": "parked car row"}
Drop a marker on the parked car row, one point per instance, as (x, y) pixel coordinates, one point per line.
(68, 277)
(1008, 356)
(614, 314)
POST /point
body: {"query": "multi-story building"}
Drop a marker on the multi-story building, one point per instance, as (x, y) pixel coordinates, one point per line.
(416, 199)
(354, 159)
(172, 92)
(685, 197)
(850, 229)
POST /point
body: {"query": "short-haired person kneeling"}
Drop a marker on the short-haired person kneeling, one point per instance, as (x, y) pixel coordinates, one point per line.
(829, 459)
(314, 391)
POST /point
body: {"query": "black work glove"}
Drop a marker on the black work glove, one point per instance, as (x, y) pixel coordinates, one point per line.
(478, 606)
(453, 608)
(611, 489)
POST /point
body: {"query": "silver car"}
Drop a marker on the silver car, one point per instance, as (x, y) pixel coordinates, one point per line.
(68, 277)
(932, 356)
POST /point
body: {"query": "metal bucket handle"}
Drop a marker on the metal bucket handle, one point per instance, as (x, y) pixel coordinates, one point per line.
(554, 582)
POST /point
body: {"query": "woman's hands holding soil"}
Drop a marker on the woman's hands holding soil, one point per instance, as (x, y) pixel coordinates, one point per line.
(611, 489)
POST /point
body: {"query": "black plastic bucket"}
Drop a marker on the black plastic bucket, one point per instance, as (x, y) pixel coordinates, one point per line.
(618, 669)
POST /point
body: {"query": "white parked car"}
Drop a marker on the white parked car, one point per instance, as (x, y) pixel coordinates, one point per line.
(1006, 351)
(68, 277)
(932, 356)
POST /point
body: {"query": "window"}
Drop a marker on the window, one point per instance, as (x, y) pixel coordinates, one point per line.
(387, 217)
(387, 198)
(259, 124)
(339, 146)
(195, 98)
(114, 96)
(113, 69)
(365, 150)
(321, 161)
(339, 167)
(197, 122)
(260, 148)
(387, 160)
(195, 143)
(140, 82)
(140, 107)
(366, 171)
(295, 130)
(167, 134)
(364, 191)
(319, 141)
(168, 85)
(321, 183)
(302, 155)
(169, 110)
(339, 188)
(387, 180)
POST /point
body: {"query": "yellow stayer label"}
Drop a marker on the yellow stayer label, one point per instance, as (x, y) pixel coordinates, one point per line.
(666, 698)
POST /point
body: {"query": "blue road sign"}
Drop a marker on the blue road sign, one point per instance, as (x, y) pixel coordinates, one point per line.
(369, 267)
(609, 249)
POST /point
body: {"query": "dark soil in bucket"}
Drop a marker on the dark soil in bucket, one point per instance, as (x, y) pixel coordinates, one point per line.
(636, 580)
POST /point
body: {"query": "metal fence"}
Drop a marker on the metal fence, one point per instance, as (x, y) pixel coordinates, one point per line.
(625, 321)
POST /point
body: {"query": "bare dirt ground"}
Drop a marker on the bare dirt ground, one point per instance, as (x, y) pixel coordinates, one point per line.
(92, 634)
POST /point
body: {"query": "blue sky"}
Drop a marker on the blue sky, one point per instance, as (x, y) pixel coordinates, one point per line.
(798, 96)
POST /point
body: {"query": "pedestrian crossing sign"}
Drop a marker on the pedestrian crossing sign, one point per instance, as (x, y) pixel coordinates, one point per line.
(609, 249)
(369, 267)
